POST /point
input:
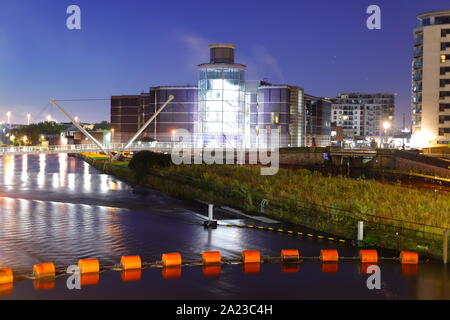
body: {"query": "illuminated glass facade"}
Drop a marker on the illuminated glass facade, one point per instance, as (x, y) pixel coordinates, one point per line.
(223, 110)
(221, 100)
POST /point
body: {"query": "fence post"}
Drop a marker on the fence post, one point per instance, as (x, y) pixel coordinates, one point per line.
(210, 211)
(445, 247)
(360, 230)
(210, 223)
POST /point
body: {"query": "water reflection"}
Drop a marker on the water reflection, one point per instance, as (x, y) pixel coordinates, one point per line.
(59, 209)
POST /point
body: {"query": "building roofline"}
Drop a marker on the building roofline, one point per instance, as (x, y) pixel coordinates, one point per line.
(222, 45)
(433, 13)
(222, 65)
(173, 87)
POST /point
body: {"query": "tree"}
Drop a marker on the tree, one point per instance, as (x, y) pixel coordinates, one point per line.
(104, 125)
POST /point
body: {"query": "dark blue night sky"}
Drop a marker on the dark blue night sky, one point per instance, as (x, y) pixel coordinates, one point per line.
(125, 47)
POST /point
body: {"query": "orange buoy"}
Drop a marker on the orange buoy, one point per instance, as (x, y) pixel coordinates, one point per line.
(330, 255)
(251, 256)
(44, 270)
(409, 257)
(6, 276)
(131, 262)
(368, 256)
(89, 266)
(171, 273)
(171, 259)
(211, 257)
(211, 270)
(131, 275)
(290, 255)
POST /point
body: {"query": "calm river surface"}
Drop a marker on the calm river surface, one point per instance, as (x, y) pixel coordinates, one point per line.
(58, 208)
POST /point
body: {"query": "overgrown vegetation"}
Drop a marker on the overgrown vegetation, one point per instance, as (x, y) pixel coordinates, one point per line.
(143, 161)
(359, 197)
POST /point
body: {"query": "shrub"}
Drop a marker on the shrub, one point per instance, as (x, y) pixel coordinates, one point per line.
(143, 161)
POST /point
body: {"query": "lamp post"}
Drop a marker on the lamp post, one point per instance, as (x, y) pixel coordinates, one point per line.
(8, 116)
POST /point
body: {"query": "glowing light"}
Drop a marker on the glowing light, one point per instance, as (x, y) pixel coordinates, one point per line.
(421, 139)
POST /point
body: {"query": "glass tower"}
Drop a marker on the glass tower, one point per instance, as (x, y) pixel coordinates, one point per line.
(222, 109)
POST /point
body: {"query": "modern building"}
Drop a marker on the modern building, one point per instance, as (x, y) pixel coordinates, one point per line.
(128, 114)
(180, 113)
(223, 117)
(431, 80)
(317, 121)
(224, 109)
(363, 116)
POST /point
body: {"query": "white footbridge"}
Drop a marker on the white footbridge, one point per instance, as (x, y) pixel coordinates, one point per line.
(87, 148)
(96, 146)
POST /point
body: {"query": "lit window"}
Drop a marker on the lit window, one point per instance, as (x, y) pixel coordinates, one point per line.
(443, 58)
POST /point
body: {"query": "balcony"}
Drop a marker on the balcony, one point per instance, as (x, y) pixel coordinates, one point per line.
(417, 64)
(417, 76)
(418, 41)
(418, 53)
(417, 88)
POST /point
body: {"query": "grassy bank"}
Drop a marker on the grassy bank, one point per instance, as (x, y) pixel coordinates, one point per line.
(396, 217)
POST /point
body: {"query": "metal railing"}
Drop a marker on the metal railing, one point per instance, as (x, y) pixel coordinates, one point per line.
(80, 148)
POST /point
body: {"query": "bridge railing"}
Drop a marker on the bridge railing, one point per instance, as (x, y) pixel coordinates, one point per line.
(85, 148)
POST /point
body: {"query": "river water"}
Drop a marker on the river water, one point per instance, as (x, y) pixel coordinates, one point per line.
(60, 209)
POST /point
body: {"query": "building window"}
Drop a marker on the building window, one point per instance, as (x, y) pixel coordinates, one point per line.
(444, 70)
(444, 94)
(445, 45)
(444, 82)
(275, 117)
(444, 106)
(442, 119)
(443, 58)
(445, 32)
